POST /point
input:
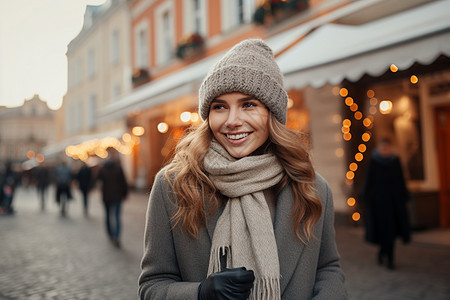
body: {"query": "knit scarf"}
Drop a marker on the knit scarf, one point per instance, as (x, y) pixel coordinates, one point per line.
(245, 229)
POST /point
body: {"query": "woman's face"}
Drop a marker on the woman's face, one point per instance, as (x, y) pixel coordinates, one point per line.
(239, 122)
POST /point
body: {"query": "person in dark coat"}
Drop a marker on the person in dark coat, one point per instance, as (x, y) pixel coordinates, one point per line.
(385, 198)
(84, 178)
(114, 191)
(63, 176)
(8, 183)
(42, 177)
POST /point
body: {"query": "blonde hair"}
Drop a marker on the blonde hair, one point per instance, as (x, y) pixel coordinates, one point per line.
(195, 192)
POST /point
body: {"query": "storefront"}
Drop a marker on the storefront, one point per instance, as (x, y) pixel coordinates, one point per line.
(386, 78)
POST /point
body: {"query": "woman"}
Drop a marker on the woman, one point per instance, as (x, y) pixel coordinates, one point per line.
(239, 213)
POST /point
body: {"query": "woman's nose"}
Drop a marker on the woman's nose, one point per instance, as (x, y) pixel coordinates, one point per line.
(234, 118)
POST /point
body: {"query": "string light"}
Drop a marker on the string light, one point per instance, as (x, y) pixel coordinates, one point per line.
(351, 201)
(356, 216)
(343, 92)
(393, 68)
(349, 101)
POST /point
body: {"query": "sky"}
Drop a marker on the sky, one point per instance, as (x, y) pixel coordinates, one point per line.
(34, 35)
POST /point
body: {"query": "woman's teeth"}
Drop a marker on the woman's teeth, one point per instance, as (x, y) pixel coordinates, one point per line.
(237, 136)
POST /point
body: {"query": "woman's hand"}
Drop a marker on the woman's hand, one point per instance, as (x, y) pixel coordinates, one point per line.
(228, 284)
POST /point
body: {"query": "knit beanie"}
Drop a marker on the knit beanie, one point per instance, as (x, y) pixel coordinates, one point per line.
(249, 68)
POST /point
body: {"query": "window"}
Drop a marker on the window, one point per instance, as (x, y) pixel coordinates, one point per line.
(236, 12)
(115, 93)
(91, 63)
(194, 12)
(115, 44)
(92, 111)
(141, 45)
(165, 36)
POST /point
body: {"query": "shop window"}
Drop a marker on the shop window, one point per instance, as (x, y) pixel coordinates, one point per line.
(401, 122)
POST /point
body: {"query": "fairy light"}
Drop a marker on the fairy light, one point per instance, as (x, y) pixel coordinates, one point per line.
(185, 116)
(359, 156)
(138, 130)
(349, 101)
(365, 136)
(343, 92)
(393, 68)
(353, 167)
(347, 136)
(370, 93)
(362, 148)
(356, 216)
(350, 175)
(358, 115)
(339, 152)
(30, 154)
(414, 79)
(351, 201)
(163, 127)
(385, 107)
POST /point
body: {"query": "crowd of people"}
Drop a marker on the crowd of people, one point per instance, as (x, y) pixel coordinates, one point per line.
(109, 176)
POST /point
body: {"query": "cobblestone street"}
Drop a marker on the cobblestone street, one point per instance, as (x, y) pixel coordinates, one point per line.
(45, 256)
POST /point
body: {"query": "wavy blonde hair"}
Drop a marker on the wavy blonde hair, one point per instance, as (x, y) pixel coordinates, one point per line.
(196, 194)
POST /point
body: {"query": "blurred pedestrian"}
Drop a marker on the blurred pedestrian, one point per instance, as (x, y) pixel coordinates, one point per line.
(84, 178)
(385, 197)
(41, 175)
(240, 213)
(8, 184)
(114, 190)
(63, 177)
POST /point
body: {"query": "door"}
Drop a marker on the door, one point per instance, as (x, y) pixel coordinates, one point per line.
(443, 142)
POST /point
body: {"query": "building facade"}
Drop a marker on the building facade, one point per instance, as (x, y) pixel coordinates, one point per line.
(25, 130)
(99, 73)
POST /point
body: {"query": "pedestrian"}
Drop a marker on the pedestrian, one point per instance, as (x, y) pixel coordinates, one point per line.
(41, 175)
(63, 177)
(240, 212)
(114, 191)
(8, 184)
(84, 178)
(384, 198)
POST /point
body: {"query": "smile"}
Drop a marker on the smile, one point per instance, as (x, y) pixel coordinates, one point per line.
(237, 136)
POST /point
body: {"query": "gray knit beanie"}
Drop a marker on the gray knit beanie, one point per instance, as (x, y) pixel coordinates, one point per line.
(249, 68)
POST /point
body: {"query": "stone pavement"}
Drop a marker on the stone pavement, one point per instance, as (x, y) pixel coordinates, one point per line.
(45, 256)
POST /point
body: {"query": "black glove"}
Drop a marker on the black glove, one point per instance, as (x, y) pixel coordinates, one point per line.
(234, 284)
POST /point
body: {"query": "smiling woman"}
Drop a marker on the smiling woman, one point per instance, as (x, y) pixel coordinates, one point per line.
(239, 123)
(239, 213)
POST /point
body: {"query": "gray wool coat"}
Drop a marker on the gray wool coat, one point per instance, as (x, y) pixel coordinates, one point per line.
(174, 263)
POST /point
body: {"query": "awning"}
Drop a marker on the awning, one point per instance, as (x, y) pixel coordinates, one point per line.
(335, 52)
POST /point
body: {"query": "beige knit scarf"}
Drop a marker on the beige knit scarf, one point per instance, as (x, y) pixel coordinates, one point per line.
(245, 229)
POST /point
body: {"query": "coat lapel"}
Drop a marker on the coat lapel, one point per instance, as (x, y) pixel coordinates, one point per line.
(288, 245)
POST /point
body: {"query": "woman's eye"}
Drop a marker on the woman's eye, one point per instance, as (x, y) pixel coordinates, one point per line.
(218, 106)
(249, 104)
